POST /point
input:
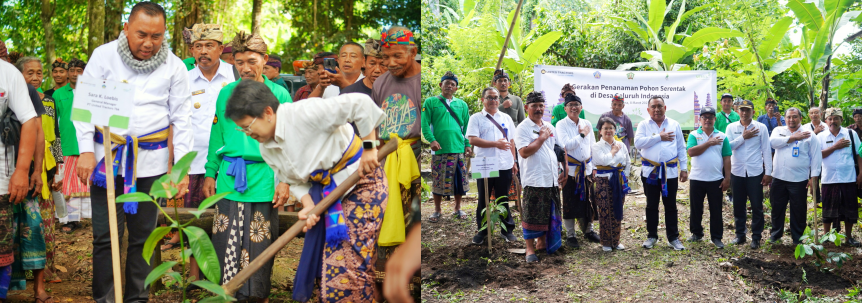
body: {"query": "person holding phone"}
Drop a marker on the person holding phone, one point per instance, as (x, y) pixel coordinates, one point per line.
(772, 118)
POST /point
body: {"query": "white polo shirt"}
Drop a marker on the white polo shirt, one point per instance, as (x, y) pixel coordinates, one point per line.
(649, 143)
(570, 138)
(749, 154)
(204, 96)
(838, 166)
(540, 169)
(794, 169)
(482, 127)
(709, 165)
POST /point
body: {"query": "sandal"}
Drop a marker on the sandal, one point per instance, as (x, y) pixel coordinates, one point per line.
(43, 300)
(435, 217)
(460, 215)
(171, 245)
(71, 227)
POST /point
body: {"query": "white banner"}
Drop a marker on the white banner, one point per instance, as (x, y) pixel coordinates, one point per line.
(684, 92)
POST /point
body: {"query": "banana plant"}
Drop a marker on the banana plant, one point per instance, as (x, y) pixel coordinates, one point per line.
(467, 9)
(760, 54)
(664, 54)
(820, 19)
(521, 57)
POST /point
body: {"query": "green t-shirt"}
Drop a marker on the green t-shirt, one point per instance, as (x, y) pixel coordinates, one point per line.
(559, 113)
(280, 81)
(225, 140)
(63, 98)
(446, 130)
(190, 63)
(721, 121)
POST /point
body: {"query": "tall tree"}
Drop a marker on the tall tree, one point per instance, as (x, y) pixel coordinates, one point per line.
(47, 13)
(256, 10)
(96, 36)
(113, 19)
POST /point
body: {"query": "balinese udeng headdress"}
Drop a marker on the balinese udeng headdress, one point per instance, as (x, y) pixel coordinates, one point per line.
(567, 89)
(833, 111)
(535, 96)
(401, 36)
(451, 76)
(203, 31)
(500, 74)
(77, 63)
(373, 48)
(58, 63)
(244, 42)
(619, 98)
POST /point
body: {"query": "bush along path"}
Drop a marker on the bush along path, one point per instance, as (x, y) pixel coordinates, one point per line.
(454, 270)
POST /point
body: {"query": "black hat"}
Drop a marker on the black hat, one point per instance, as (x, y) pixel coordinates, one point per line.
(857, 111)
(707, 110)
(450, 76)
(726, 95)
(746, 104)
(572, 98)
(500, 74)
(772, 101)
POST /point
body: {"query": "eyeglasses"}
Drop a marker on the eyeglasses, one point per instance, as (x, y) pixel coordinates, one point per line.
(247, 130)
(492, 98)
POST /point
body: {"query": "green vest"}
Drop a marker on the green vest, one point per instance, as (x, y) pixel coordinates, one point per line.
(559, 113)
(63, 98)
(225, 140)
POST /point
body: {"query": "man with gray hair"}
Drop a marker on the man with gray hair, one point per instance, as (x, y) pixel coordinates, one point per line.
(839, 183)
(796, 166)
(816, 125)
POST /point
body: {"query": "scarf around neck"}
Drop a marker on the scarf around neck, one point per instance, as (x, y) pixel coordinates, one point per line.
(141, 66)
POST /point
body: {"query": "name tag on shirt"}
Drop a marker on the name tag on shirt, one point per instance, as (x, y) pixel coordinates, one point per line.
(198, 92)
(795, 151)
(829, 142)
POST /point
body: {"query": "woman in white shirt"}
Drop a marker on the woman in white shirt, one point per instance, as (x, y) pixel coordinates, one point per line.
(612, 163)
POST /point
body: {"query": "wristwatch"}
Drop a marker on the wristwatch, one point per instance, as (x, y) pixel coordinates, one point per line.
(369, 144)
(583, 135)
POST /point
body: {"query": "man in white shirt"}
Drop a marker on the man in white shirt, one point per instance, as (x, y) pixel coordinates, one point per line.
(488, 132)
(205, 81)
(662, 147)
(751, 169)
(576, 137)
(816, 125)
(710, 152)
(540, 217)
(142, 58)
(795, 167)
(840, 183)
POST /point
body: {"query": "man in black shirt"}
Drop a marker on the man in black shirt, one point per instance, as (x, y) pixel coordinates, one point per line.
(373, 68)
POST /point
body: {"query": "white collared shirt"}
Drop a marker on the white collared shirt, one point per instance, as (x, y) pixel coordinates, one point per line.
(162, 99)
(838, 167)
(204, 95)
(15, 95)
(750, 156)
(794, 169)
(482, 127)
(648, 141)
(577, 147)
(313, 135)
(810, 127)
(540, 169)
(709, 165)
(602, 156)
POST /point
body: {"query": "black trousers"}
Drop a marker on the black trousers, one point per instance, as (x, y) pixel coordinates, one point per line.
(500, 186)
(795, 193)
(653, 195)
(712, 192)
(140, 226)
(748, 189)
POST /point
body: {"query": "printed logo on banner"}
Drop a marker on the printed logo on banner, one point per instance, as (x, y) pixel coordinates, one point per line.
(666, 76)
(630, 75)
(597, 75)
(543, 71)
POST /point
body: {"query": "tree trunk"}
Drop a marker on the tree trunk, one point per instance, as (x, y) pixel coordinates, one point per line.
(256, 9)
(348, 12)
(314, 33)
(47, 14)
(177, 44)
(113, 18)
(96, 35)
(824, 94)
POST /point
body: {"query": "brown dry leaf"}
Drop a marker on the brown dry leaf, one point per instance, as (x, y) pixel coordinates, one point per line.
(61, 268)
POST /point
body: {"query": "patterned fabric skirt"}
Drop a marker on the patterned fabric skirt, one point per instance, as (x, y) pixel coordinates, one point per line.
(573, 206)
(29, 237)
(241, 232)
(537, 204)
(195, 196)
(72, 186)
(449, 174)
(7, 231)
(609, 226)
(348, 269)
(840, 203)
(46, 209)
(515, 191)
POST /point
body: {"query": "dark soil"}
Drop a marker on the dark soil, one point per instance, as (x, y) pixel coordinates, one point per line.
(786, 275)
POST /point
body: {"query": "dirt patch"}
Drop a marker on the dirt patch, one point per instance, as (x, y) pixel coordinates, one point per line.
(785, 275)
(456, 267)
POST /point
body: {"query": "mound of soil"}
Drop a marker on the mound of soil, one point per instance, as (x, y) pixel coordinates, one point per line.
(788, 276)
(466, 267)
